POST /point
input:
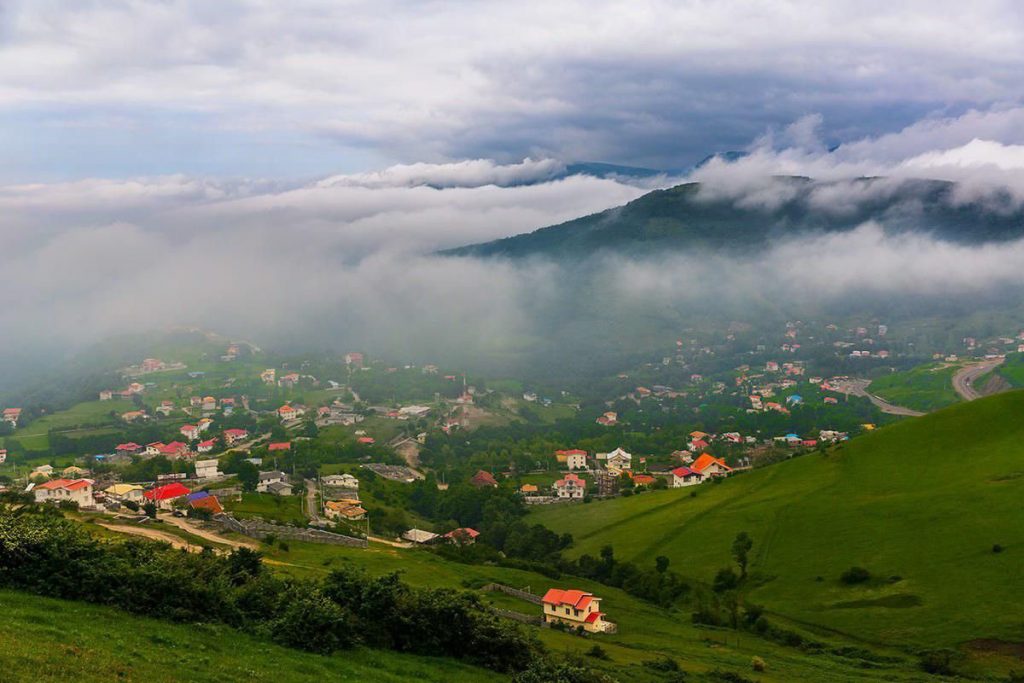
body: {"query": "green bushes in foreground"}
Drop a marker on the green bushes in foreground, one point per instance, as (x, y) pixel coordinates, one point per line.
(44, 553)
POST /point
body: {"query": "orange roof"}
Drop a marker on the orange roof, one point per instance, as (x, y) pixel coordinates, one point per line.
(528, 488)
(69, 484)
(706, 460)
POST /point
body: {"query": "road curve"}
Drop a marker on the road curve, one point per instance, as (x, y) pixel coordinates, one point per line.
(963, 380)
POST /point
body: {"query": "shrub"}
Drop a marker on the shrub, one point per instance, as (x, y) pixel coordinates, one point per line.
(597, 652)
(937, 662)
(725, 580)
(666, 664)
(855, 575)
(757, 664)
(996, 548)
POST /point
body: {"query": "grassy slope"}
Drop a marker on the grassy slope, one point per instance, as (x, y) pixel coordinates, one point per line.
(1012, 370)
(924, 499)
(34, 436)
(42, 639)
(927, 387)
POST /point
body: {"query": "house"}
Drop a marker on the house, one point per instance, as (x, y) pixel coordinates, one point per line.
(206, 446)
(204, 424)
(209, 403)
(573, 459)
(708, 465)
(72, 472)
(130, 448)
(59, 490)
(45, 470)
(132, 415)
(643, 479)
(125, 492)
(268, 478)
(609, 419)
(482, 478)
(419, 536)
(153, 449)
(207, 469)
(684, 476)
(190, 432)
(347, 509)
(366, 440)
(3, 455)
(164, 496)
(617, 461)
(341, 481)
(463, 536)
(269, 376)
(203, 500)
(570, 487)
(575, 608)
(175, 449)
(288, 412)
(529, 490)
(279, 488)
(355, 359)
(106, 395)
(233, 436)
(280, 446)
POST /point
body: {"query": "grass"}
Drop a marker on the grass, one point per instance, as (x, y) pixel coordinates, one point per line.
(926, 387)
(283, 509)
(42, 639)
(35, 435)
(919, 504)
(1012, 370)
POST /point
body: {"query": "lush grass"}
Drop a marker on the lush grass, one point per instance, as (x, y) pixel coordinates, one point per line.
(1012, 370)
(42, 639)
(283, 509)
(925, 388)
(34, 436)
(923, 500)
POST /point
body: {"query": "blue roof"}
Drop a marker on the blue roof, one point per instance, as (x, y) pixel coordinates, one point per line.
(792, 436)
(197, 495)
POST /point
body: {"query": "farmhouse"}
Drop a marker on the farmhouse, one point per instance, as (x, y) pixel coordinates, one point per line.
(463, 536)
(575, 608)
(571, 487)
(233, 436)
(684, 476)
(708, 465)
(419, 536)
(59, 490)
(269, 478)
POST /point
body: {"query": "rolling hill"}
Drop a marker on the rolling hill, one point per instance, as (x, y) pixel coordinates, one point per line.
(921, 504)
(690, 217)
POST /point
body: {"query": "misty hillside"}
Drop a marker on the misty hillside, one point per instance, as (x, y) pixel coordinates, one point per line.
(688, 216)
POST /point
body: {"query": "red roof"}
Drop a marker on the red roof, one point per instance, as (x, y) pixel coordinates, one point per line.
(574, 598)
(167, 491)
(69, 484)
(643, 479)
(130, 446)
(235, 432)
(208, 442)
(365, 439)
(593, 616)
(282, 446)
(684, 472)
(573, 451)
(208, 503)
(706, 460)
(464, 531)
(483, 478)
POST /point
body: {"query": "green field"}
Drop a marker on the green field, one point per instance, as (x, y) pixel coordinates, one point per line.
(282, 509)
(927, 387)
(1012, 370)
(42, 639)
(35, 435)
(920, 504)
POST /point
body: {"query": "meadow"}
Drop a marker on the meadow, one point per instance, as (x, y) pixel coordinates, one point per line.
(926, 387)
(930, 506)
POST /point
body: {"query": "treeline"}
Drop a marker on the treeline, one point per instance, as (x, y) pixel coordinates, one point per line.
(44, 553)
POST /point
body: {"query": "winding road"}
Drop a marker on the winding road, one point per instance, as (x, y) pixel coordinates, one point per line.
(963, 380)
(859, 387)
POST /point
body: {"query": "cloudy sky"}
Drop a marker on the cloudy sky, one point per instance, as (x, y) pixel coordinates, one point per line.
(120, 88)
(285, 169)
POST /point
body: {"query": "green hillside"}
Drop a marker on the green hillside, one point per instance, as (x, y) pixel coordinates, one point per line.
(926, 387)
(685, 217)
(42, 639)
(920, 504)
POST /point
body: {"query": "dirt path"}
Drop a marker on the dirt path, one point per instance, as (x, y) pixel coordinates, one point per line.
(152, 534)
(393, 544)
(312, 508)
(185, 525)
(963, 380)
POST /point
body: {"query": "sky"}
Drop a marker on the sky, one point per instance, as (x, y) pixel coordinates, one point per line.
(285, 171)
(302, 89)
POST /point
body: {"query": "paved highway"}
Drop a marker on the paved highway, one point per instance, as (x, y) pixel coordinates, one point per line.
(963, 380)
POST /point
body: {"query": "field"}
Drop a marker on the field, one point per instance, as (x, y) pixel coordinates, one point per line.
(1012, 370)
(282, 509)
(920, 504)
(927, 387)
(34, 436)
(42, 639)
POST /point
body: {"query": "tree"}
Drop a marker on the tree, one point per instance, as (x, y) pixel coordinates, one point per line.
(725, 580)
(661, 564)
(248, 475)
(741, 546)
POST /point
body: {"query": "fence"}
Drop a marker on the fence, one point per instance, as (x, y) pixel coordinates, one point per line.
(259, 529)
(514, 592)
(531, 619)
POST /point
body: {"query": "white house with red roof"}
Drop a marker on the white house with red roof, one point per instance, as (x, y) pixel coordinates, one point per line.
(175, 449)
(164, 496)
(570, 487)
(573, 459)
(684, 476)
(206, 446)
(709, 466)
(462, 536)
(130, 448)
(288, 412)
(575, 608)
(190, 432)
(59, 490)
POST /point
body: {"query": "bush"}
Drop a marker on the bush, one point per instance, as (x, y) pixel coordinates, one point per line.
(725, 580)
(666, 664)
(597, 652)
(855, 575)
(996, 548)
(312, 622)
(757, 664)
(937, 662)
